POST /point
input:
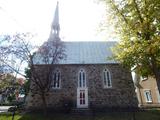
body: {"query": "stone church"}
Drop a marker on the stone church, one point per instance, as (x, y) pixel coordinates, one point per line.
(87, 78)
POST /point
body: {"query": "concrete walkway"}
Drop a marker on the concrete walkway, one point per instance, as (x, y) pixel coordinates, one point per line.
(4, 108)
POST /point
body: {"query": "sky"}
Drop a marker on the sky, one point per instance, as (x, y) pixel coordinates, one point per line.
(79, 19)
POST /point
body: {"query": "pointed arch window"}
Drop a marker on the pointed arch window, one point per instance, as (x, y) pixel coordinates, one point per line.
(82, 79)
(56, 79)
(107, 82)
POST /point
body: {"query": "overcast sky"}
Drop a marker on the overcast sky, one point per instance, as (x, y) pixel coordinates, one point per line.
(79, 19)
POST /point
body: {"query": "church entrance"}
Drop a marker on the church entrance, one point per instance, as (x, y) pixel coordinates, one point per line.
(82, 98)
(82, 90)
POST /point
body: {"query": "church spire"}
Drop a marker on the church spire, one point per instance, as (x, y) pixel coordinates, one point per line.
(55, 27)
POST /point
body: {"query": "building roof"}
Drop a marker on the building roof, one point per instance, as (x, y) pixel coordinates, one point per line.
(87, 53)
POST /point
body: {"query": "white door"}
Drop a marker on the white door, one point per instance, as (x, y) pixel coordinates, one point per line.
(82, 98)
(82, 90)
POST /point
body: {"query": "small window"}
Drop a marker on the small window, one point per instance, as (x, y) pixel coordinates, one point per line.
(143, 78)
(107, 79)
(56, 79)
(82, 79)
(148, 97)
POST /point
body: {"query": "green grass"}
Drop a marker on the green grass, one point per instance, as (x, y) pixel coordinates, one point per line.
(9, 117)
(148, 115)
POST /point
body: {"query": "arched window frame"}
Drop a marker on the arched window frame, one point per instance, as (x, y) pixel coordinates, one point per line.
(82, 78)
(56, 82)
(107, 81)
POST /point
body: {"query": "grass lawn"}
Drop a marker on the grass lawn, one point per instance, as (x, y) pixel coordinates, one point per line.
(147, 115)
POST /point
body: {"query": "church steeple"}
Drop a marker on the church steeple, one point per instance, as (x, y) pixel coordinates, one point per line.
(55, 27)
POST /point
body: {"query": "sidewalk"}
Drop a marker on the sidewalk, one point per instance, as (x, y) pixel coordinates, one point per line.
(4, 108)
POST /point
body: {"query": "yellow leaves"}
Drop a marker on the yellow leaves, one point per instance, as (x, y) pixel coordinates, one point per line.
(138, 24)
(135, 52)
(153, 47)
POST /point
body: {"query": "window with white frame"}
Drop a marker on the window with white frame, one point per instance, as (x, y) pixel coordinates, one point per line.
(82, 79)
(147, 94)
(143, 78)
(107, 79)
(56, 79)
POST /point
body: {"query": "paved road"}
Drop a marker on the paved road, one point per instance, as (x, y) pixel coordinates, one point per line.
(4, 108)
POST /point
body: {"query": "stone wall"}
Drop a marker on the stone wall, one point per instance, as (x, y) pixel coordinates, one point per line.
(122, 93)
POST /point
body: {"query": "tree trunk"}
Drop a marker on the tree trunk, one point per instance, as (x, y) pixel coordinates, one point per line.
(157, 76)
(44, 104)
(156, 72)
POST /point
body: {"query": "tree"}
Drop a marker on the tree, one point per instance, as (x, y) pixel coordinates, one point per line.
(138, 24)
(28, 80)
(49, 53)
(8, 86)
(3, 67)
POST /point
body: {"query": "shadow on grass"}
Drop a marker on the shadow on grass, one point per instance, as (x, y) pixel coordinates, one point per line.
(144, 115)
(8, 116)
(56, 116)
(147, 115)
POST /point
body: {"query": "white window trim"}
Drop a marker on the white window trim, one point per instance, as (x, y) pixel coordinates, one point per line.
(150, 96)
(78, 98)
(55, 72)
(110, 79)
(85, 84)
(143, 78)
